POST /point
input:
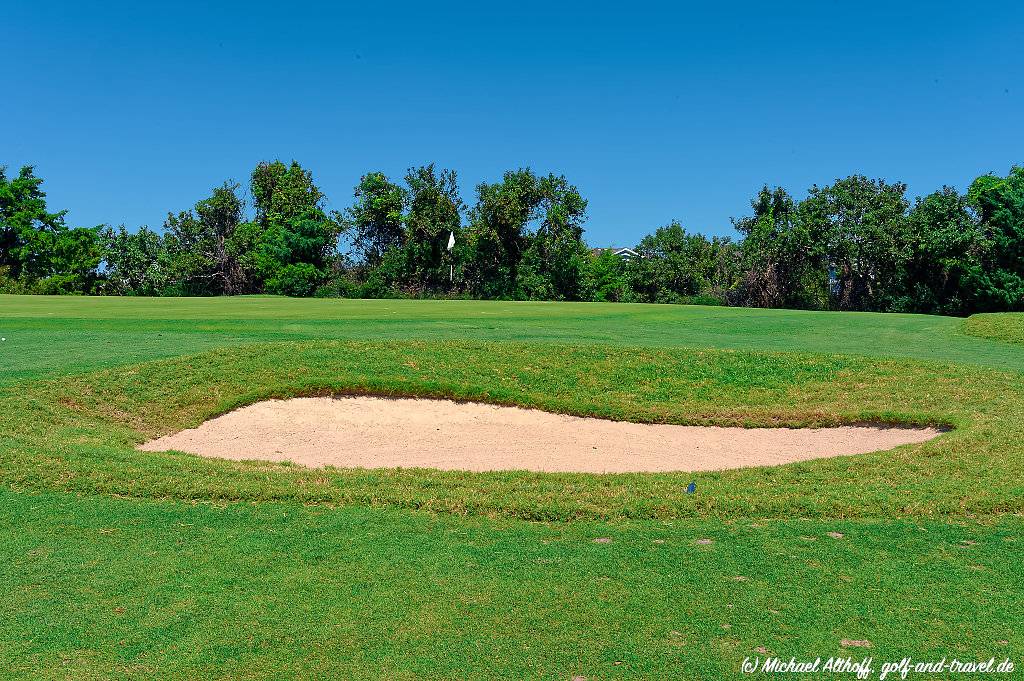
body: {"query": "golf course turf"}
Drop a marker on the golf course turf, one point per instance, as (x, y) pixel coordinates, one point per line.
(122, 564)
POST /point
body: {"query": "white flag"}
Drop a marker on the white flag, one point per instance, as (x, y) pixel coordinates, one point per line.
(451, 240)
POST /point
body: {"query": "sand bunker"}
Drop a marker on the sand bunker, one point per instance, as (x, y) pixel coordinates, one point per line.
(373, 432)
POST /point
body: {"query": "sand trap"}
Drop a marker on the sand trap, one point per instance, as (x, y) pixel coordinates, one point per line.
(373, 432)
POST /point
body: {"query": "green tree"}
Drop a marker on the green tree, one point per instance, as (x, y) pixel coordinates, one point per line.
(862, 224)
(783, 264)
(291, 246)
(605, 279)
(555, 259)
(37, 248)
(674, 266)
(435, 212)
(511, 260)
(27, 228)
(281, 193)
(947, 245)
(497, 232)
(376, 218)
(199, 260)
(74, 258)
(133, 262)
(999, 205)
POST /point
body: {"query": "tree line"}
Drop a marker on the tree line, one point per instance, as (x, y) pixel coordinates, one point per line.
(857, 244)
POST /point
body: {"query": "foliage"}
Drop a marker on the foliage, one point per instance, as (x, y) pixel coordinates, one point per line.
(605, 278)
(782, 263)
(288, 248)
(497, 233)
(376, 218)
(291, 245)
(434, 213)
(946, 247)
(857, 228)
(512, 259)
(133, 262)
(199, 260)
(859, 245)
(999, 204)
(855, 244)
(555, 259)
(675, 266)
(38, 252)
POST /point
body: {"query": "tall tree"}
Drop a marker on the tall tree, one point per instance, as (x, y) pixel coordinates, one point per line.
(783, 264)
(291, 246)
(37, 248)
(435, 212)
(74, 261)
(556, 258)
(281, 193)
(27, 229)
(199, 259)
(376, 218)
(605, 278)
(947, 245)
(999, 204)
(497, 233)
(673, 265)
(134, 262)
(863, 226)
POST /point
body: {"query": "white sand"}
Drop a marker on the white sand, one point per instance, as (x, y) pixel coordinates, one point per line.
(373, 432)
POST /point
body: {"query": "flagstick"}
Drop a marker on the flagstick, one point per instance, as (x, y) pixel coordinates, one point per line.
(451, 263)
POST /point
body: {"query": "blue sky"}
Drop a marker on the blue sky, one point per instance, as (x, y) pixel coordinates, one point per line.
(655, 111)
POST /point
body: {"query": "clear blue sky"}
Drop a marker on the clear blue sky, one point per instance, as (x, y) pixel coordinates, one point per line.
(657, 112)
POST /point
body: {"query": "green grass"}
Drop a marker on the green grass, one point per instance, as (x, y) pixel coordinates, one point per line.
(59, 335)
(119, 564)
(101, 588)
(78, 434)
(1007, 327)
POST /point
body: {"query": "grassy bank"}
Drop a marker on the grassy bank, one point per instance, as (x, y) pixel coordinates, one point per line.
(1006, 327)
(78, 434)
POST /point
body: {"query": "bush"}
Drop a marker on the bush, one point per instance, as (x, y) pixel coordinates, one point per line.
(13, 286)
(705, 299)
(338, 286)
(300, 280)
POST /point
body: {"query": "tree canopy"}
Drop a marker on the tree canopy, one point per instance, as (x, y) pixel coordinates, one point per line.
(856, 244)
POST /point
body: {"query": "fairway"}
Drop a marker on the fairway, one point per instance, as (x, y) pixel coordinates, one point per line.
(126, 564)
(64, 334)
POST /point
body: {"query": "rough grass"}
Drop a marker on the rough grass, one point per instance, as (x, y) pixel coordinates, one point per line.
(1007, 327)
(78, 434)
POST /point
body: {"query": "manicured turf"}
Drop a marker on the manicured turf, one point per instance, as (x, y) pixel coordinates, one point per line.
(64, 334)
(101, 588)
(122, 564)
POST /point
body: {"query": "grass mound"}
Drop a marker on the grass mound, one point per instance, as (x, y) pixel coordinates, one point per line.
(1004, 326)
(79, 434)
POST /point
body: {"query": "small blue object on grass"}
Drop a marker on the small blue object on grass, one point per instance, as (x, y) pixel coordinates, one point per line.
(691, 488)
